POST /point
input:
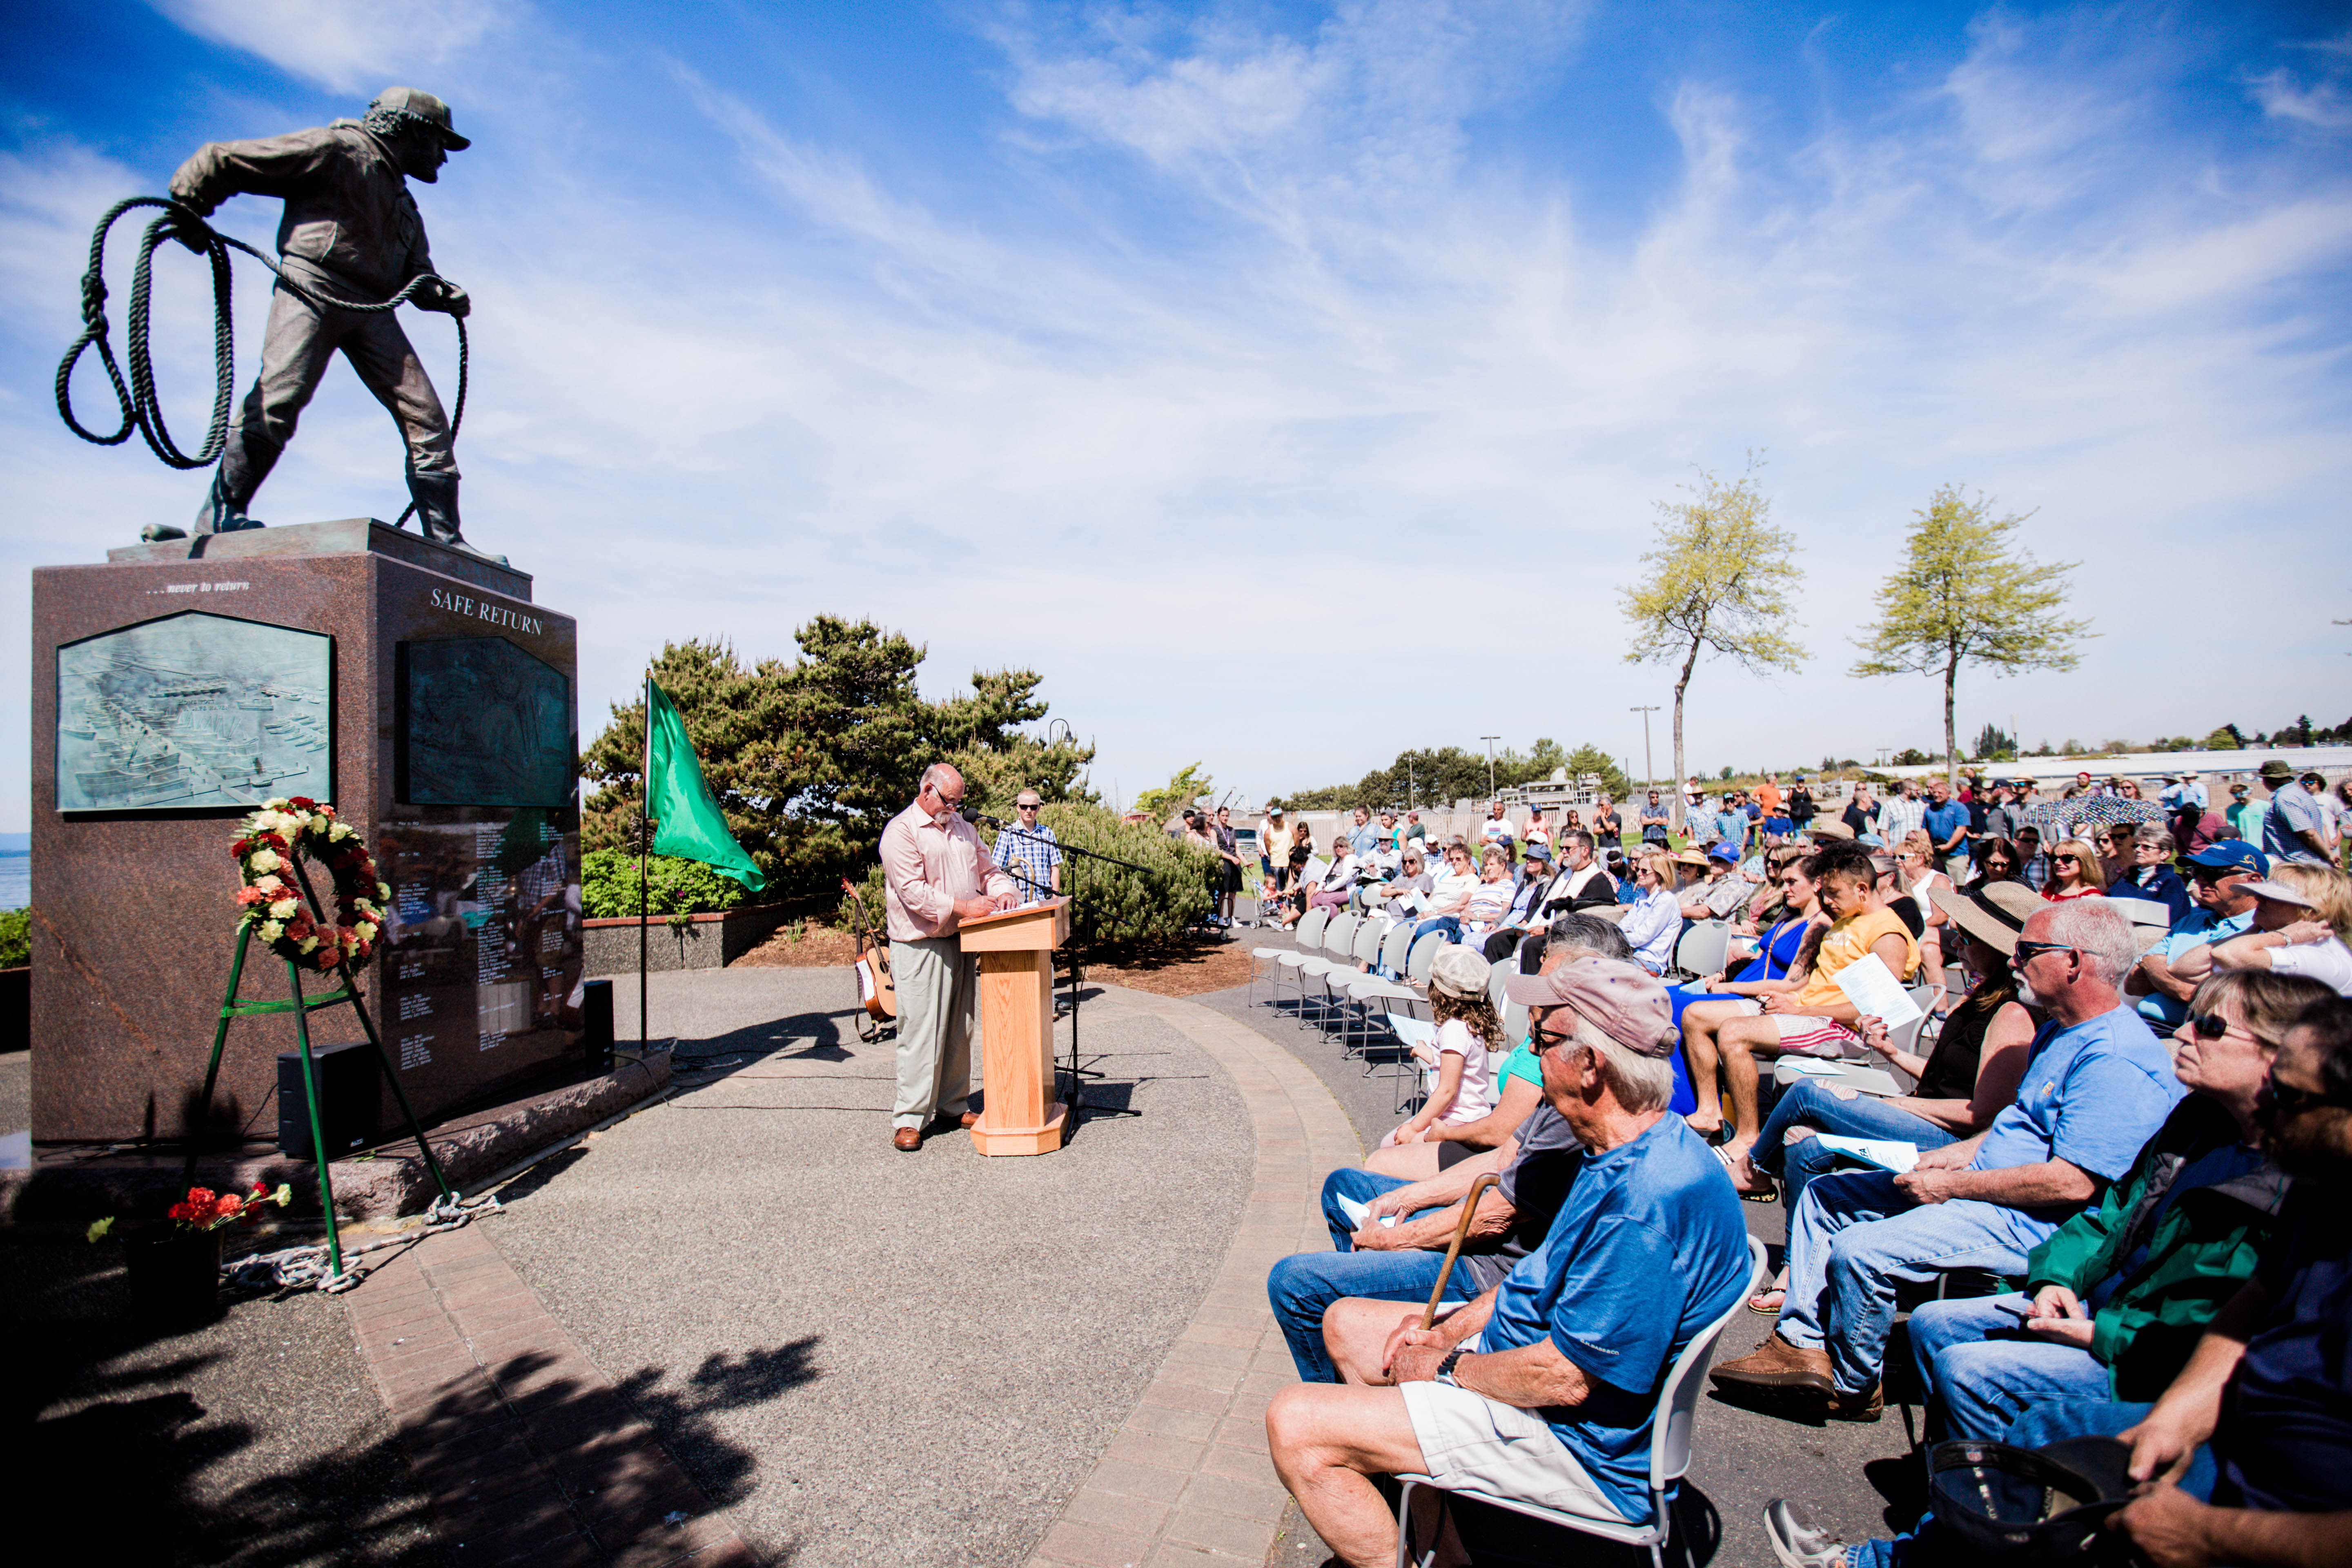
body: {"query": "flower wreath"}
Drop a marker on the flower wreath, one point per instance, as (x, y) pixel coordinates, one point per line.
(272, 895)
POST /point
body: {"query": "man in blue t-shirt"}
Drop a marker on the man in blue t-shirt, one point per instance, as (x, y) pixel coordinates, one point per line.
(2096, 1086)
(2217, 873)
(1946, 822)
(1542, 1388)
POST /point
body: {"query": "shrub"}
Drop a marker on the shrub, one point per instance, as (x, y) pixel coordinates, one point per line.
(608, 885)
(16, 938)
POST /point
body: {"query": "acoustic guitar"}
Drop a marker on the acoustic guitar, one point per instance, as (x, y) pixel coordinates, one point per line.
(874, 988)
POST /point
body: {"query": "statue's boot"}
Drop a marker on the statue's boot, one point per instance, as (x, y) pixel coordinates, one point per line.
(437, 512)
(245, 462)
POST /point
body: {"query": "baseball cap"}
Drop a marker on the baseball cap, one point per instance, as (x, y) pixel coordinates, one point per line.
(1459, 972)
(1726, 851)
(1623, 1001)
(2232, 855)
(425, 107)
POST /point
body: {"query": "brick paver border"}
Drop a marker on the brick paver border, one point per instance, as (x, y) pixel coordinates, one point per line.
(1187, 1479)
(522, 1448)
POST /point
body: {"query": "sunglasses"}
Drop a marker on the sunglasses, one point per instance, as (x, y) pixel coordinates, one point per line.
(2028, 950)
(2292, 1102)
(2209, 1026)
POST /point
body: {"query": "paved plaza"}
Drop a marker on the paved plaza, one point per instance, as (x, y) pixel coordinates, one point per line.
(738, 1327)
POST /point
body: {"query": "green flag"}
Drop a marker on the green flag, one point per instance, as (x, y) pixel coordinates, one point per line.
(692, 825)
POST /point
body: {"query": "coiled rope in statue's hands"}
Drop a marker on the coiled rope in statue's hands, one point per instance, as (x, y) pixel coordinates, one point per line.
(142, 411)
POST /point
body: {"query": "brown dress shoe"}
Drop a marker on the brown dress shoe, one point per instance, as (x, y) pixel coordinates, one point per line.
(1867, 1406)
(1778, 1364)
(968, 1119)
(906, 1139)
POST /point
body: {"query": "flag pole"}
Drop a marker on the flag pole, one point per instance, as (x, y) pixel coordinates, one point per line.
(644, 848)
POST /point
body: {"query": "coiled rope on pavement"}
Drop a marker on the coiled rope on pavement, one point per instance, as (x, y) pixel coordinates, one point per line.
(303, 1268)
(142, 410)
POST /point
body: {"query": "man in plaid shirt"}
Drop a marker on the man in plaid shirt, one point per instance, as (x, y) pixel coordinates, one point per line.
(1029, 852)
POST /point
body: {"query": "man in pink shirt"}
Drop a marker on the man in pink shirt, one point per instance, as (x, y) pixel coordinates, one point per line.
(936, 873)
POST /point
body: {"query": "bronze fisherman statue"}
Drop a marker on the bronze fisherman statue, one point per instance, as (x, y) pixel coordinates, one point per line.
(351, 232)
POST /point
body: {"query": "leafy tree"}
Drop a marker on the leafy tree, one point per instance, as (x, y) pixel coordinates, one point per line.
(1590, 758)
(2225, 739)
(810, 759)
(1911, 757)
(1189, 785)
(1963, 595)
(1718, 581)
(1995, 745)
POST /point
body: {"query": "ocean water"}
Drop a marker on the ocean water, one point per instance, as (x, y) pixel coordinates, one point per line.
(16, 880)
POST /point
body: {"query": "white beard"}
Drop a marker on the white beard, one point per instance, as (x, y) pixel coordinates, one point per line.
(2025, 995)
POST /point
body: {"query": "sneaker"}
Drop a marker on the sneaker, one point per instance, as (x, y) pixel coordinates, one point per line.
(1796, 1540)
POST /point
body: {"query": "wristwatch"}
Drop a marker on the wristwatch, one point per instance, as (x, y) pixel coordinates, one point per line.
(1444, 1373)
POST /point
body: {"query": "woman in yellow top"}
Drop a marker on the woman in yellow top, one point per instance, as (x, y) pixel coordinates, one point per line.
(1806, 1013)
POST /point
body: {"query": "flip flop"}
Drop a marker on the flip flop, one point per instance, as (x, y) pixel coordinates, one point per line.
(1771, 1312)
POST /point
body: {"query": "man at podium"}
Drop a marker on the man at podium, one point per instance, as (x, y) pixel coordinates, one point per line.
(936, 873)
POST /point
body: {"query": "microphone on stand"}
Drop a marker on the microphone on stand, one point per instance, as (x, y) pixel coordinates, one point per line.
(977, 818)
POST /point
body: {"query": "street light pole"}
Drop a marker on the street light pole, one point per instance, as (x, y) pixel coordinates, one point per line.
(1490, 741)
(1649, 769)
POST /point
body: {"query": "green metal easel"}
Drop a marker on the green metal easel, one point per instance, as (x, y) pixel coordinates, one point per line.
(302, 1006)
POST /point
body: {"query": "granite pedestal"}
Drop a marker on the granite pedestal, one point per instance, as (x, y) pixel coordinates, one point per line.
(180, 684)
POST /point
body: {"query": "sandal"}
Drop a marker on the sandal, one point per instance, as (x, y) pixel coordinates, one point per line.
(1779, 1299)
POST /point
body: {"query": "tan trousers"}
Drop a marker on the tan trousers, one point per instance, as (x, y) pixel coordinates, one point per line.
(935, 984)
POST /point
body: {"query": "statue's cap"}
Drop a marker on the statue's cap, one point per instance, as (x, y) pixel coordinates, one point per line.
(425, 107)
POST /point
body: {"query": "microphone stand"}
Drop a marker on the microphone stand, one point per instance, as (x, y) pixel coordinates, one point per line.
(1078, 1075)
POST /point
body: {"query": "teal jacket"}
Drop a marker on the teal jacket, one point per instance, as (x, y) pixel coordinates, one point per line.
(2199, 1252)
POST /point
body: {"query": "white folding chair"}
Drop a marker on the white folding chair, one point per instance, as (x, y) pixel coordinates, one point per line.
(1308, 935)
(1372, 993)
(1337, 962)
(1705, 949)
(1371, 940)
(1669, 1452)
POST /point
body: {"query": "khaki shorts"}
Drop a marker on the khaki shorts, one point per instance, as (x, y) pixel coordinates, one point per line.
(1468, 1440)
(1805, 1037)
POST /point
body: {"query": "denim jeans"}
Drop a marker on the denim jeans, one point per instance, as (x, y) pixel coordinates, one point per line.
(1929, 1546)
(1812, 1103)
(1982, 1371)
(1451, 925)
(1302, 1286)
(1851, 1239)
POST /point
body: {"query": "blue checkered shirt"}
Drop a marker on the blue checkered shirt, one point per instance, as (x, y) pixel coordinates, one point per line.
(1029, 855)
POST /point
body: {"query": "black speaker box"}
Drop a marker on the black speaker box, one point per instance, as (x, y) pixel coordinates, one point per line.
(596, 1023)
(351, 1088)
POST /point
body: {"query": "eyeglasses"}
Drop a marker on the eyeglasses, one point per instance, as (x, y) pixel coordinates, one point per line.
(1545, 1039)
(2028, 950)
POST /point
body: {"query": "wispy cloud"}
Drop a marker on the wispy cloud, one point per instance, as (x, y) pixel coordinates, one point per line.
(348, 45)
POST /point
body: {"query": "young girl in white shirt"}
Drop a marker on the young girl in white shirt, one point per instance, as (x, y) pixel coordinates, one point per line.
(1469, 1044)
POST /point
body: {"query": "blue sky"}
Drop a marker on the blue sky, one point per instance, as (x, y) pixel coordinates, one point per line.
(1289, 384)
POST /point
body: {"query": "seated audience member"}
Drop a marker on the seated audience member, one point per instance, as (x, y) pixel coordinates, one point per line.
(1400, 1261)
(1490, 901)
(1967, 1077)
(1719, 896)
(1463, 1057)
(1412, 878)
(1917, 879)
(1518, 1083)
(1654, 820)
(2302, 916)
(2151, 875)
(1776, 954)
(1997, 860)
(2077, 871)
(1888, 873)
(2097, 1087)
(1582, 883)
(1525, 914)
(1293, 890)
(2119, 1294)
(1621, 871)
(2246, 1458)
(1810, 1015)
(1449, 896)
(1655, 919)
(2033, 868)
(2218, 874)
(1543, 1386)
(1338, 878)
(2119, 852)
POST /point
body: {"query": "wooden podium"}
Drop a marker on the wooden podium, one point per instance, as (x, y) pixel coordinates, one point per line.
(1016, 1026)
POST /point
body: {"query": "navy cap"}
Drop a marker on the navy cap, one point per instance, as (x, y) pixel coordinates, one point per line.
(2233, 855)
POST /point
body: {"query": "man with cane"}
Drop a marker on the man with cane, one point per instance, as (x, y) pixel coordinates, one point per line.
(1542, 1388)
